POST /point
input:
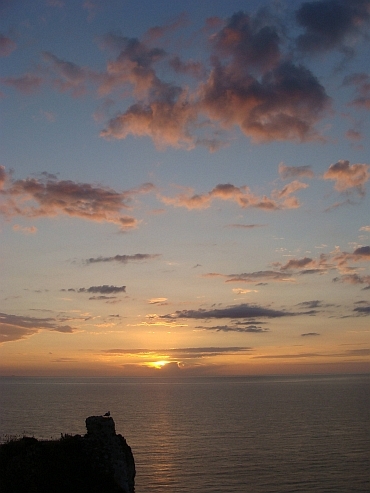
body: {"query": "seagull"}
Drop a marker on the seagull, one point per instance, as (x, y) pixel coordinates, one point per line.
(107, 414)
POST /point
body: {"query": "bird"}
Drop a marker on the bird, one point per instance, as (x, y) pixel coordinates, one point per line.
(107, 414)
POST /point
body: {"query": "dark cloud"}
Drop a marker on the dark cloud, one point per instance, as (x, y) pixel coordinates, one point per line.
(354, 279)
(291, 172)
(309, 334)
(48, 197)
(288, 356)
(284, 104)
(102, 297)
(361, 81)
(362, 310)
(124, 259)
(296, 263)
(249, 82)
(358, 352)
(311, 304)
(248, 44)
(181, 353)
(254, 277)
(364, 252)
(243, 310)
(105, 289)
(245, 226)
(227, 328)
(15, 327)
(348, 176)
(328, 23)
(6, 45)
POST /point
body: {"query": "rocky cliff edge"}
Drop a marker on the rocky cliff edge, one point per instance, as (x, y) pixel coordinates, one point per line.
(99, 462)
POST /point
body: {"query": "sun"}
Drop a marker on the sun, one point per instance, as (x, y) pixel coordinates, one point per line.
(158, 364)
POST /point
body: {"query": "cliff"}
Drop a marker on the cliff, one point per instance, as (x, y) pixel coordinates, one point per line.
(99, 462)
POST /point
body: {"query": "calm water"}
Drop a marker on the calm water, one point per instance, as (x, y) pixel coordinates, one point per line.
(221, 435)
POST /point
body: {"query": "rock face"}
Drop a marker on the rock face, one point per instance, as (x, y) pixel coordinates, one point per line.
(98, 462)
(116, 456)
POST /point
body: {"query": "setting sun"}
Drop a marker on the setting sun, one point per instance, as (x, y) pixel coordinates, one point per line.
(158, 364)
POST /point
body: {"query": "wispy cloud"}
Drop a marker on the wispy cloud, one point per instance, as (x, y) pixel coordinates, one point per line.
(7, 45)
(104, 289)
(124, 259)
(291, 172)
(181, 353)
(15, 327)
(243, 310)
(26, 83)
(340, 261)
(361, 82)
(254, 329)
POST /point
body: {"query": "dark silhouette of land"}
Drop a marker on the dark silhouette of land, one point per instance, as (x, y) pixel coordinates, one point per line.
(98, 462)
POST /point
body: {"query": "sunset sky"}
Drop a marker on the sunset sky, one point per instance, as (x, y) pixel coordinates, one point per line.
(184, 187)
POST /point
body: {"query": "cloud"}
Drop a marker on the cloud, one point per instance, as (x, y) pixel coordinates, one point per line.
(362, 310)
(365, 228)
(69, 76)
(362, 253)
(6, 45)
(15, 327)
(311, 304)
(284, 105)
(24, 229)
(102, 297)
(348, 176)
(158, 301)
(27, 83)
(245, 226)
(123, 259)
(241, 329)
(243, 310)
(354, 135)
(353, 279)
(310, 334)
(329, 24)
(253, 277)
(48, 197)
(288, 172)
(242, 196)
(180, 353)
(248, 83)
(361, 81)
(105, 289)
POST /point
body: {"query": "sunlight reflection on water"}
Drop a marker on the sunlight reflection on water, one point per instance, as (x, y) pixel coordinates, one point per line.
(215, 435)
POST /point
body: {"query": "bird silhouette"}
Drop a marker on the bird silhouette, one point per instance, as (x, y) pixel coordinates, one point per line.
(107, 414)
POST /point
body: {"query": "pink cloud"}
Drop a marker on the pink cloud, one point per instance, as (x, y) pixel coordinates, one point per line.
(242, 196)
(6, 45)
(348, 176)
(361, 82)
(27, 83)
(49, 197)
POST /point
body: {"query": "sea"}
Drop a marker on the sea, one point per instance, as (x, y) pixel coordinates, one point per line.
(213, 435)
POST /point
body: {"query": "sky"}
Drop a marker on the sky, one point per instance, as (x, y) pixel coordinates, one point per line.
(184, 187)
